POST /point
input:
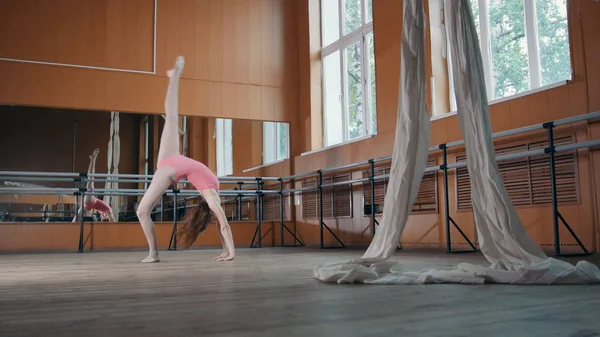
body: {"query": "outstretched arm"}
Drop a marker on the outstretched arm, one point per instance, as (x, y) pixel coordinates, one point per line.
(214, 202)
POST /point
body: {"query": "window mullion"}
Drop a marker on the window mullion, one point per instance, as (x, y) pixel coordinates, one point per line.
(363, 12)
(341, 45)
(364, 67)
(341, 15)
(276, 141)
(484, 27)
(288, 149)
(344, 97)
(532, 44)
(345, 41)
(324, 137)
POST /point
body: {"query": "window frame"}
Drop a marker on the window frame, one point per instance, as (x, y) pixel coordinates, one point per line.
(272, 142)
(224, 146)
(343, 42)
(533, 56)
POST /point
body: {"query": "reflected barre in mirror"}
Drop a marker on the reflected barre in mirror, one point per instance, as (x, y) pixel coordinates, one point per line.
(45, 142)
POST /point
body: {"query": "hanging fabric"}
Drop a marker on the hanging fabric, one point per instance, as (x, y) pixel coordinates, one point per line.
(109, 155)
(409, 157)
(115, 200)
(514, 257)
(113, 154)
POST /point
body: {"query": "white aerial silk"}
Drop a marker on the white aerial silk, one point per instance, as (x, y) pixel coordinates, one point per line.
(113, 156)
(108, 184)
(114, 203)
(514, 256)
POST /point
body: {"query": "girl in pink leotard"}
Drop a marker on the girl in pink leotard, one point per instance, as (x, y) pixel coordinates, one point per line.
(90, 202)
(171, 168)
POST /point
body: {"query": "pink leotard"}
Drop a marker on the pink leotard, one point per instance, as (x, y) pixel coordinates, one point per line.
(197, 173)
(98, 205)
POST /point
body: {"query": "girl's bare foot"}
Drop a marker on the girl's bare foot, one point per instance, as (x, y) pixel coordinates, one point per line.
(179, 64)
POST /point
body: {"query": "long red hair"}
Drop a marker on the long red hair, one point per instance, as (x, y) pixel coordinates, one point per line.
(195, 222)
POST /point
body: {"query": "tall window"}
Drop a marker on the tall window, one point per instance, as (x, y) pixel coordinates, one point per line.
(524, 45)
(223, 135)
(348, 58)
(275, 142)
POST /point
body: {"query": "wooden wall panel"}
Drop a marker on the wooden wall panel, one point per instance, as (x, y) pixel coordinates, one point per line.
(227, 44)
(266, 41)
(216, 40)
(589, 13)
(110, 33)
(229, 103)
(242, 100)
(199, 139)
(301, 136)
(201, 41)
(255, 102)
(242, 43)
(247, 145)
(255, 41)
(279, 38)
(98, 236)
(267, 103)
(594, 130)
(229, 51)
(215, 99)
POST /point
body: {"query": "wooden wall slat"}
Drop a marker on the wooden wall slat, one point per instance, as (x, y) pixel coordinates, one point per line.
(83, 32)
(527, 180)
(242, 50)
(337, 200)
(426, 201)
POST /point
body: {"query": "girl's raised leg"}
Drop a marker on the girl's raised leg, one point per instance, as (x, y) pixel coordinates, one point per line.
(92, 169)
(89, 185)
(169, 140)
(90, 181)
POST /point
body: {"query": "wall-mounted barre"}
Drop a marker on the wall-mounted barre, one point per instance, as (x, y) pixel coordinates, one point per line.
(535, 127)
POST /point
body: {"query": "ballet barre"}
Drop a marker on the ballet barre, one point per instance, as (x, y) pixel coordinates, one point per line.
(17, 178)
(119, 192)
(22, 176)
(228, 178)
(39, 174)
(253, 187)
(9, 190)
(550, 150)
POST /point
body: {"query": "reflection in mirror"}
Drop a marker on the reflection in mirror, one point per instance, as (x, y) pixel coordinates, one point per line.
(242, 145)
(224, 144)
(71, 142)
(51, 141)
(275, 142)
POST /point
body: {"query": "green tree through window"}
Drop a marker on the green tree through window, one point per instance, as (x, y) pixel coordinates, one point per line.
(354, 99)
(553, 40)
(507, 25)
(509, 48)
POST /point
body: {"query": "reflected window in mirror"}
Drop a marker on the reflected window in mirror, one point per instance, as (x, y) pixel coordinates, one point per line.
(275, 142)
(223, 135)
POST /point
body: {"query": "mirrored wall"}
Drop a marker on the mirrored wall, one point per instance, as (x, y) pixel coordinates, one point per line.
(57, 140)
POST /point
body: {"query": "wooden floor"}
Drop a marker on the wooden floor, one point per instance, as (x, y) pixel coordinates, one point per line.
(269, 292)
